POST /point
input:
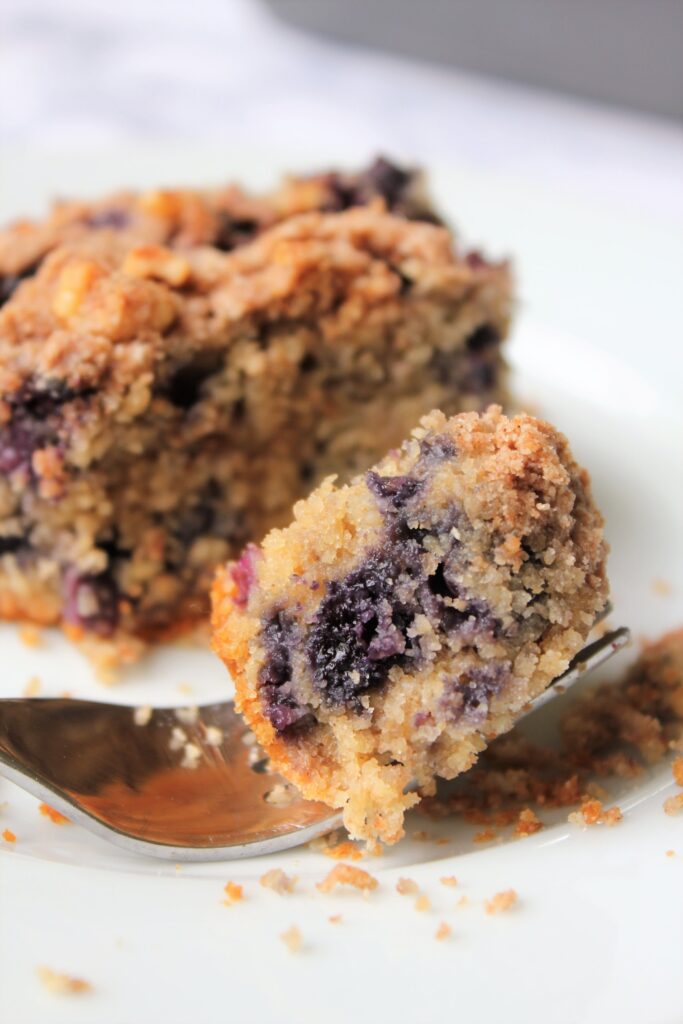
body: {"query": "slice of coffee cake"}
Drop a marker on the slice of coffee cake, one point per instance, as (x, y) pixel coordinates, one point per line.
(404, 620)
(177, 368)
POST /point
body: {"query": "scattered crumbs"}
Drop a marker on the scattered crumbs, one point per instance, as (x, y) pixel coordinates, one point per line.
(185, 688)
(234, 893)
(422, 904)
(343, 851)
(9, 836)
(674, 804)
(444, 931)
(591, 813)
(662, 588)
(280, 795)
(485, 836)
(292, 939)
(55, 816)
(191, 756)
(63, 984)
(30, 636)
(142, 715)
(347, 874)
(33, 687)
(187, 716)
(501, 901)
(335, 919)
(463, 902)
(213, 735)
(421, 836)
(178, 738)
(449, 880)
(442, 841)
(670, 853)
(278, 881)
(407, 887)
(527, 823)
(677, 769)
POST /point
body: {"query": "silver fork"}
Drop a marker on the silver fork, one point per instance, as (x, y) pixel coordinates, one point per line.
(177, 783)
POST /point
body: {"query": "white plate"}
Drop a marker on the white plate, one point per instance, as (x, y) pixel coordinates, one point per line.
(598, 931)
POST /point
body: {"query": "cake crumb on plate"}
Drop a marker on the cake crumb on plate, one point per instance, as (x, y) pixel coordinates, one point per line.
(30, 636)
(63, 984)
(55, 816)
(673, 804)
(450, 881)
(292, 939)
(407, 887)
(501, 902)
(422, 904)
(9, 836)
(444, 931)
(527, 823)
(278, 881)
(677, 770)
(33, 687)
(347, 874)
(335, 918)
(234, 893)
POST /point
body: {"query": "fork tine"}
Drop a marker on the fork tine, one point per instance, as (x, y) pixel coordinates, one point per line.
(588, 658)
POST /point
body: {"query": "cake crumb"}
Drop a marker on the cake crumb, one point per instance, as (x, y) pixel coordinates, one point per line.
(30, 636)
(213, 735)
(55, 816)
(677, 770)
(485, 836)
(612, 816)
(281, 795)
(63, 984)
(591, 813)
(343, 851)
(234, 893)
(192, 755)
(673, 804)
(527, 823)
(443, 932)
(347, 874)
(335, 919)
(9, 836)
(33, 687)
(501, 902)
(463, 902)
(142, 715)
(278, 881)
(422, 903)
(661, 587)
(407, 887)
(292, 939)
(450, 881)
(670, 853)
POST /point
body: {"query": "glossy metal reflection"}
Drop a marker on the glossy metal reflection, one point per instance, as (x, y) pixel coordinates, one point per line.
(185, 785)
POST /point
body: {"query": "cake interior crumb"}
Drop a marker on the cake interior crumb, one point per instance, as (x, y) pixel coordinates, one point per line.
(234, 893)
(450, 881)
(277, 880)
(407, 887)
(9, 836)
(55, 816)
(423, 903)
(444, 931)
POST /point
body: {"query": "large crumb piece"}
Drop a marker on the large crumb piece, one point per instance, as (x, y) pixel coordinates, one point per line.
(55, 816)
(9, 836)
(449, 880)
(347, 874)
(674, 804)
(591, 812)
(63, 984)
(407, 887)
(444, 931)
(234, 893)
(292, 939)
(278, 881)
(528, 823)
(502, 901)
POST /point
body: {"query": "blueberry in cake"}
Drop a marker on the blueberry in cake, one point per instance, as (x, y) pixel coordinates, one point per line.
(177, 368)
(404, 620)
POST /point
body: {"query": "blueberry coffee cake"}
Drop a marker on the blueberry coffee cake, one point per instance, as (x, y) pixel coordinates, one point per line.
(176, 368)
(404, 620)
